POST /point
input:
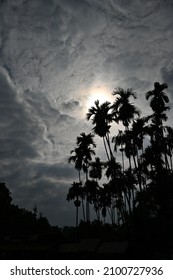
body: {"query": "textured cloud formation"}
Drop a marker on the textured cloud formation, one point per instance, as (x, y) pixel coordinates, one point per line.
(52, 55)
(25, 148)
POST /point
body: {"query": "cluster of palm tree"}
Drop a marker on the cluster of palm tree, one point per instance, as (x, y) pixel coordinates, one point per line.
(143, 177)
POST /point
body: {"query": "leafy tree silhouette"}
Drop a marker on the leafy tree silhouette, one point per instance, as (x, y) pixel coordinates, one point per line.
(15, 220)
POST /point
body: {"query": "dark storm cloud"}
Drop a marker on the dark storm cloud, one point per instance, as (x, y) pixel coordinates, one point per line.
(40, 105)
(21, 141)
(167, 76)
(94, 20)
(30, 173)
(47, 42)
(54, 123)
(31, 125)
(70, 105)
(54, 171)
(49, 39)
(19, 131)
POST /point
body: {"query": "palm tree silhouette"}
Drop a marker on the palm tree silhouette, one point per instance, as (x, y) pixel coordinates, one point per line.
(92, 190)
(124, 140)
(113, 168)
(118, 141)
(139, 131)
(101, 119)
(75, 192)
(82, 158)
(122, 109)
(169, 143)
(138, 189)
(114, 173)
(86, 144)
(105, 200)
(77, 158)
(96, 168)
(158, 98)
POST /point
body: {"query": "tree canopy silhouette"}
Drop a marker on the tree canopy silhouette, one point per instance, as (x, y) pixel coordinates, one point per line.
(139, 190)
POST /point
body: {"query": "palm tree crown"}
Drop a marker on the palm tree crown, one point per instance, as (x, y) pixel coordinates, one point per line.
(76, 158)
(85, 143)
(123, 110)
(100, 118)
(158, 98)
(96, 169)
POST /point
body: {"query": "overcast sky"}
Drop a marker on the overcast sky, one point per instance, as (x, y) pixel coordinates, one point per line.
(56, 56)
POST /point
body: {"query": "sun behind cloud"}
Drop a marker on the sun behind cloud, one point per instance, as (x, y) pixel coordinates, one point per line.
(100, 93)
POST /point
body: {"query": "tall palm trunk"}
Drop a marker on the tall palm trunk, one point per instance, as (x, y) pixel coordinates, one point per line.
(170, 157)
(122, 156)
(83, 209)
(104, 142)
(128, 199)
(138, 173)
(77, 212)
(87, 202)
(109, 145)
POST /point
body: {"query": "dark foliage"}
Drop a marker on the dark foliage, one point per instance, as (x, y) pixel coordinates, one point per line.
(138, 195)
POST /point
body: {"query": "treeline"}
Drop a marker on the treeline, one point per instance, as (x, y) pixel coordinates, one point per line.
(15, 220)
(137, 191)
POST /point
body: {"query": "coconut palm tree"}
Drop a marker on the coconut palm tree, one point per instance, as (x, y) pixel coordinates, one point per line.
(169, 143)
(86, 144)
(96, 168)
(158, 103)
(105, 200)
(139, 130)
(113, 168)
(74, 193)
(118, 141)
(114, 173)
(130, 182)
(101, 119)
(122, 109)
(92, 190)
(124, 140)
(77, 159)
(158, 98)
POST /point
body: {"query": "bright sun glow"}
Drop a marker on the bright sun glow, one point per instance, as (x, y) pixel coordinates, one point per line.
(98, 93)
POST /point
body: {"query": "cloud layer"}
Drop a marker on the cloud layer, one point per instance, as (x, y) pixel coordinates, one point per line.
(52, 54)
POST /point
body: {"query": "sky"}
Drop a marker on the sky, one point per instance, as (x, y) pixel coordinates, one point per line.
(56, 58)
